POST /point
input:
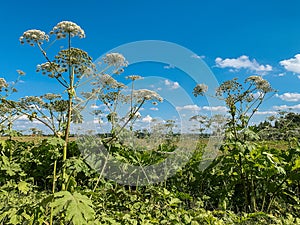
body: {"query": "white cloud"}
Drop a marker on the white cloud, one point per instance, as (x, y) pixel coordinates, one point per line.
(215, 108)
(289, 97)
(172, 85)
(257, 94)
(97, 121)
(188, 107)
(287, 107)
(292, 64)
(175, 85)
(195, 56)
(95, 106)
(147, 118)
(169, 66)
(23, 118)
(266, 112)
(167, 82)
(242, 62)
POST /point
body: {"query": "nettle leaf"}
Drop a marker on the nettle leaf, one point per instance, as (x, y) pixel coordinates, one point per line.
(77, 207)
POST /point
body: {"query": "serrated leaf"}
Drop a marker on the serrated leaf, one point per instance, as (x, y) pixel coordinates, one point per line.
(77, 207)
(55, 141)
(23, 187)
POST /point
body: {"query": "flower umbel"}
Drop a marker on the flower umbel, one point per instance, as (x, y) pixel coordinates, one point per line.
(200, 89)
(260, 83)
(109, 81)
(134, 77)
(64, 28)
(115, 59)
(34, 36)
(3, 84)
(145, 94)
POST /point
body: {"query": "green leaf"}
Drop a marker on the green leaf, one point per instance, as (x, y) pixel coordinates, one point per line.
(23, 187)
(55, 141)
(297, 164)
(174, 201)
(77, 207)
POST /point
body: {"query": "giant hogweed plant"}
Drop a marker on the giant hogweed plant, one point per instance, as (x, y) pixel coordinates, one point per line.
(8, 114)
(73, 68)
(248, 177)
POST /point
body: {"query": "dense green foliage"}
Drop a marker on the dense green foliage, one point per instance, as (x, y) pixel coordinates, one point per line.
(192, 196)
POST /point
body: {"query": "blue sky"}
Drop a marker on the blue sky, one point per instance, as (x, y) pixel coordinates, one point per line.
(234, 38)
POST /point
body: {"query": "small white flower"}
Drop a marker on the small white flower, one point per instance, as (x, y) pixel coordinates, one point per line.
(115, 59)
(64, 28)
(34, 36)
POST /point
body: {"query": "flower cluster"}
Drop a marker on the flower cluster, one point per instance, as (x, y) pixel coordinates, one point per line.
(260, 83)
(3, 83)
(53, 69)
(115, 59)
(31, 101)
(134, 77)
(21, 72)
(64, 28)
(229, 87)
(200, 89)
(145, 94)
(109, 81)
(51, 96)
(34, 36)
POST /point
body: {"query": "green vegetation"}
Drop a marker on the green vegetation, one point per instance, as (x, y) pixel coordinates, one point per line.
(48, 180)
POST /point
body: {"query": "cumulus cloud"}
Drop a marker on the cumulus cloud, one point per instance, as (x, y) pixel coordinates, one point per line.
(215, 108)
(287, 107)
(289, 97)
(94, 106)
(242, 62)
(266, 112)
(195, 56)
(292, 64)
(23, 118)
(188, 107)
(170, 66)
(147, 118)
(172, 85)
(97, 121)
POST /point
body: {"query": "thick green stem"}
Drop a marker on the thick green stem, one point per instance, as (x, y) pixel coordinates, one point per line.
(53, 190)
(71, 93)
